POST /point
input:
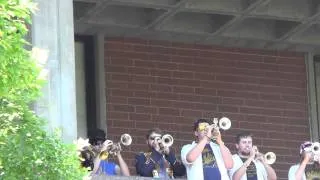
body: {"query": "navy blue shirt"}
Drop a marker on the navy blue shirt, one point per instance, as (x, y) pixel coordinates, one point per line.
(210, 167)
(149, 161)
(251, 170)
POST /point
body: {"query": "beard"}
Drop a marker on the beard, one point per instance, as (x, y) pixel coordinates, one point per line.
(245, 153)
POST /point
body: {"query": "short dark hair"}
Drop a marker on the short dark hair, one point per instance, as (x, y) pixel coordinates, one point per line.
(243, 135)
(154, 130)
(196, 124)
(95, 135)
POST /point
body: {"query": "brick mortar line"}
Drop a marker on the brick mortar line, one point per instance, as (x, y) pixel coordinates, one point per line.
(217, 95)
(200, 65)
(215, 104)
(212, 50)
(227, 53)
(213, 80)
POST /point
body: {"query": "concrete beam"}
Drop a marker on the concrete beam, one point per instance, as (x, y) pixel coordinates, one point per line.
(237, 19)
(306, 23)
(166, 16)
(98, 8)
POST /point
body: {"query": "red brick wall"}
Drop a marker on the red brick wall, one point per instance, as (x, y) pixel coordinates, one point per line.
(169, 85)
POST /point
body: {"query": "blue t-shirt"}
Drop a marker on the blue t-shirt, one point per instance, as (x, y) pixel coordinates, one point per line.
(210, 167)
(251, 170)
(108, 168)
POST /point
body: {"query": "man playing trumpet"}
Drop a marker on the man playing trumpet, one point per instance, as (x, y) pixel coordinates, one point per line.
(159, 161)
(309, 166)
(249, 164)
(207, 157)
(102, 148)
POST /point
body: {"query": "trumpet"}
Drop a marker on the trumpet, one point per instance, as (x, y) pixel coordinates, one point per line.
(270, 157)
(315, 148)
(126, 139)
(166, 140)
(113, 148)
(223, 123)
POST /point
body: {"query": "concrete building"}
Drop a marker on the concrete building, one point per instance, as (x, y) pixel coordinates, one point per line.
(139, 64)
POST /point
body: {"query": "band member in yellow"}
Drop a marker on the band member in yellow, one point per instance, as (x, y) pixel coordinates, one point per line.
(159, 161)
(309, 166)
(249, 164)
(206, 158)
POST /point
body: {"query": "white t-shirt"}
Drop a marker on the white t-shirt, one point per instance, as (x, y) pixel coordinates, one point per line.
(195, 169)
(237, 163)
(293, 169)
(292, 172)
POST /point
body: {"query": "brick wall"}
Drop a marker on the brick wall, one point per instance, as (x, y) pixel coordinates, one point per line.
(169, 85)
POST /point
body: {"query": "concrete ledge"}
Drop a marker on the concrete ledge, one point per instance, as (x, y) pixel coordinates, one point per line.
(103, 177)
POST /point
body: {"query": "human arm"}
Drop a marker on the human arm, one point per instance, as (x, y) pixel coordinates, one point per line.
(123, 167)
(225, 152)
(96, 165)
(301, 169)
(271, 174)
(241, 169)
(196, 151)
(237, 175)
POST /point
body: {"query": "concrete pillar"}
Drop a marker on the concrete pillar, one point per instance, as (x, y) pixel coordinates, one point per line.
(100, 83)
(312, 98)
(52, 29)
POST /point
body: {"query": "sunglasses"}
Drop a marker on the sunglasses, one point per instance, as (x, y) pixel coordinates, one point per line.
(202, 126)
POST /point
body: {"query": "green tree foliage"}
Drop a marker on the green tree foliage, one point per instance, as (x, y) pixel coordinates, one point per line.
(27, 151)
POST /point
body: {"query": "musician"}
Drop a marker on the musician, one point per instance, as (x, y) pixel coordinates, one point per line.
(205, 159)
(308, 168)
(158, 161)
(96, 139)
(249, 164)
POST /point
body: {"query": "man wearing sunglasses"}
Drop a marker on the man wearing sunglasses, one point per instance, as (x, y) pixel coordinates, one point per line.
(205, 159)
(158, 161)
(309, 166)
